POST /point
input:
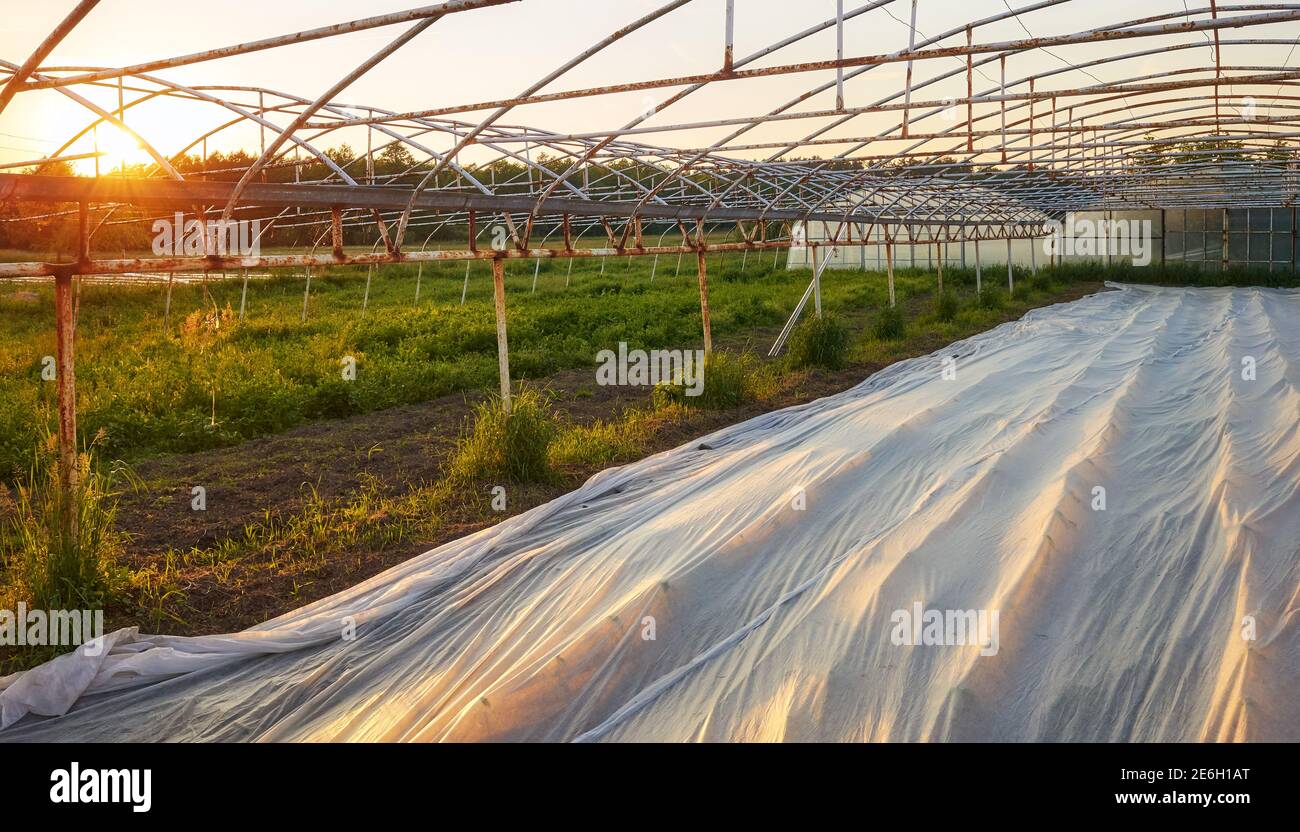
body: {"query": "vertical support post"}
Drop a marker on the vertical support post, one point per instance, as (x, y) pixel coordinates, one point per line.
(979, 270)
(729, 48)
(336, 231)
(704, 300)
(970, 93)
(167, 305)
(261, 132)
(65, 333)
(306, 295)
(1223, 266)
(1162, 240)
(503, 347)
(465, 287)
(537, 267)
(817, 282)
(419, 273)
(1031, 124)
(1218, 71)
(1011, 279)
(243, 296)
(365, 300)
(1004, 108)
(839, 54)
(889, 264)
(939, 248)
(907, 94)
(1054, 133)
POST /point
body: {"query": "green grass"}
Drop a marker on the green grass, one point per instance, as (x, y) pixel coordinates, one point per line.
(730, 380)
(201, 379)
(991, 298)
(890, 324)
(820, 341)
(501, 446)
(58, 549)
(946, 305)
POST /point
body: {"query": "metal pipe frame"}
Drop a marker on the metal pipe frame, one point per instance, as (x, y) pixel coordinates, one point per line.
(1003, 156)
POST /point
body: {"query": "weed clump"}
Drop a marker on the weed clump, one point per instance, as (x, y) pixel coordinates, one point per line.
(1041, 282)
(820, 342)
(514, 446)
(991, 299)
(946, 306)
(730, 380)
(890, 325)
(58, 549)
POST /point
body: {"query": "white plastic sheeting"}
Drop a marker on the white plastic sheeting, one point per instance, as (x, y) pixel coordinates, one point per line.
(687, 596)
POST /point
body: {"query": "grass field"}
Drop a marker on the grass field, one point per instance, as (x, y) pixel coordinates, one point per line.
(201, 379)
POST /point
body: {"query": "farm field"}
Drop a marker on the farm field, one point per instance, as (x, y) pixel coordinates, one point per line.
(314, 483)
(739, 551)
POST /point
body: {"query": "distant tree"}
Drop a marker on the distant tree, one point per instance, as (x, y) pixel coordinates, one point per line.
(394, 159)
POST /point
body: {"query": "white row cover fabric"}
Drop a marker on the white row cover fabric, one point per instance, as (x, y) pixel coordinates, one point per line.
(747, 586)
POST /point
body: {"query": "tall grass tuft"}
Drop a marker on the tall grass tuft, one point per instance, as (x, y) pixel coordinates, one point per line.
(890, 324)
(49, 566)
(820, 342)
(991, 299)
(946, 306)
(730, 380)
(514, 446)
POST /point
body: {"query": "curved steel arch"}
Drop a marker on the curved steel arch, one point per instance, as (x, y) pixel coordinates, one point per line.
(1048, 136)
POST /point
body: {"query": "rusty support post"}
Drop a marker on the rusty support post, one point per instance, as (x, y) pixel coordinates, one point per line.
(65, 334)
(839, 54)
(1011, 277)
(1218, 68)
(889, 264)
(503, 347)
(1031, 125)
(938, 247)
(336, 231)
(817, 280)
(1003, 96)
(704, 300)
(728, 48)
(970, 94)
(306, 295)
(907, 93)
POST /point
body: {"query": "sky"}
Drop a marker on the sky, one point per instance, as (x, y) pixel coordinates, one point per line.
(498, 52)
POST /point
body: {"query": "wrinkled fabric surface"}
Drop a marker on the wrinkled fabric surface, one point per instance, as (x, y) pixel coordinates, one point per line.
(741, 587)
